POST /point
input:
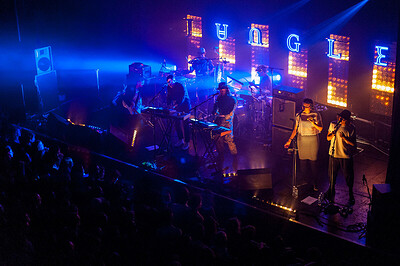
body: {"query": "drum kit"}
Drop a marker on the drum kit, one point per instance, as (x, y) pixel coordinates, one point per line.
(253, 113)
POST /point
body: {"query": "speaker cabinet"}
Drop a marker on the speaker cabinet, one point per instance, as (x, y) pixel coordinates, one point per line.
(383, 224)
(44, 60)
(253, 179)
(47, 90)
(279, 138)
(138, 69)
(283, 112)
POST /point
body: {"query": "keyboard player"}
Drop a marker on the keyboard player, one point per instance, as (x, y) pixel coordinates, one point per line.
(178, 99)
(223, 110)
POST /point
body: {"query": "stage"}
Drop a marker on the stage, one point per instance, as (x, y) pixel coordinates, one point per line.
(274, 195)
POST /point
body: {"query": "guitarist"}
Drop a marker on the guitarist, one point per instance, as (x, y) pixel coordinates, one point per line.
(127, 106)
(224, 109)
(130, 98)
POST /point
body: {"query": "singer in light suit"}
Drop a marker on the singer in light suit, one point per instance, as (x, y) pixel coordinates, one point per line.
(342, 135)
(224, 110)
(307, 128)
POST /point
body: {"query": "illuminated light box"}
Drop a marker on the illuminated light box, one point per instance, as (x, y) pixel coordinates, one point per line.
(297, 68)
(227, 52)
(259, 41)
(383, 77)
(338, 53)
(193, 36)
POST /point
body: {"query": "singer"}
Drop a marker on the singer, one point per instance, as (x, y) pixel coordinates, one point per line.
(308, 125)
(224, 109)
(342, 135)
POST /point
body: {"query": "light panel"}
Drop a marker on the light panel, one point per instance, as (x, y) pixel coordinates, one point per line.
(297, 69)
(339, 71)
(254, 35)
(194, 34)
(259, 52)
(383, 77)
(195, 25)
(227, 52)
(339, 47)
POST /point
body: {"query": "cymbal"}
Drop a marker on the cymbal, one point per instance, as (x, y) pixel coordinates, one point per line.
(244, 92)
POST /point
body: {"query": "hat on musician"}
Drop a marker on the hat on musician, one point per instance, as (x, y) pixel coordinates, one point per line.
(222, 86)
(345, 114)
(202, 50)
(261, 68)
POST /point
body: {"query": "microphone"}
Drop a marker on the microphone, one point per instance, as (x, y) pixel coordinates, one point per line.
(338, 123)
(337, 126)
(299, 113)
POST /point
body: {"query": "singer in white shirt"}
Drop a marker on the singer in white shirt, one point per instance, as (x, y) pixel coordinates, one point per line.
(307, 128)
(342, 135)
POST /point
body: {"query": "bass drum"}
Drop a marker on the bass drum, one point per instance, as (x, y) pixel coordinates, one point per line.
(242, 125)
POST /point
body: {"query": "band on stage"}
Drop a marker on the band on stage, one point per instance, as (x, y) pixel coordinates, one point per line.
(219, 109)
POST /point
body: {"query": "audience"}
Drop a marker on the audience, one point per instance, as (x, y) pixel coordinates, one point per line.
(51, 212)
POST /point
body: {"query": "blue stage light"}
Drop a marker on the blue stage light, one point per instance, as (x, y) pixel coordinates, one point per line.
(296, 48)
(222, 34)
(333, 24)
(255, 33)
(330, 51)
(380, 55)
(276, 78)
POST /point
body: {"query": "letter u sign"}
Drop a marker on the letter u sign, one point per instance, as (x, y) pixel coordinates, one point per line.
(222, 34)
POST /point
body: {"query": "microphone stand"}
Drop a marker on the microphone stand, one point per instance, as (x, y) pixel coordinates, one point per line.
(195, 117)
(153, 122)
(295, 190)
(365, 182)
(157, 94)
(338, 125)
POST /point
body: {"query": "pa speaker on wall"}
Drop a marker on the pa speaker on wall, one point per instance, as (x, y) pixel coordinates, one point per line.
(283, 112)
(44, 60)
(253, 179)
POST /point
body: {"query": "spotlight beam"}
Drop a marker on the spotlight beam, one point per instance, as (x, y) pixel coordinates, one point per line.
(333, 24)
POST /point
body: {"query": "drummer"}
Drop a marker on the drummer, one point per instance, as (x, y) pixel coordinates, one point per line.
(265, 87)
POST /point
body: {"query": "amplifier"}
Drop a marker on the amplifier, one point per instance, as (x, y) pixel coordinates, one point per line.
(288, 93)
(139, 69)
(283, 112)
(279, 138)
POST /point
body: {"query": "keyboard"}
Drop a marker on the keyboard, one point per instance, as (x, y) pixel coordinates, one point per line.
(165, 113)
